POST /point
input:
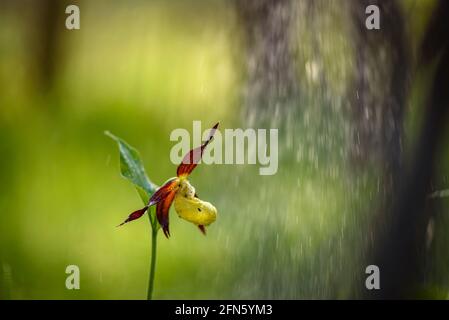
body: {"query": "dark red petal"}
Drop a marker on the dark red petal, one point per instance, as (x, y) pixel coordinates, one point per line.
(135, 215)
(202, 229)
(162, 210)
(163, 191)
(193, 157)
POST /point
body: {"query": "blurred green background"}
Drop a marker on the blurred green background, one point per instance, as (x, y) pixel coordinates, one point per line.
(141, 69)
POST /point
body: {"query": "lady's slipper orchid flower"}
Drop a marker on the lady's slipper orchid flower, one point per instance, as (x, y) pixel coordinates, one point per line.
(178, 189)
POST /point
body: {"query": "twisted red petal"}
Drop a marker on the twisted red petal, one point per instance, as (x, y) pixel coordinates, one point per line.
(158, 196)
(163, 191)
(135, 215)
(193, 157)
(162, 210)
(202, 229)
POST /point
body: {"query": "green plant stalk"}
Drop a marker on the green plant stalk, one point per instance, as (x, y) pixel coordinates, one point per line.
(154, 231)
(131, 168)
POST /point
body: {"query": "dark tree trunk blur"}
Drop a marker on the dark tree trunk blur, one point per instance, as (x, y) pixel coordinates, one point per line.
(378, 94)
(46, 30)
(399, 252)
(272, 82)
(45, 23)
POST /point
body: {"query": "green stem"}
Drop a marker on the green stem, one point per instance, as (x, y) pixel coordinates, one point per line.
(152, 263)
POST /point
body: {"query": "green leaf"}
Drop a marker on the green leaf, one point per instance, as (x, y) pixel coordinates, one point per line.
(131, 168)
